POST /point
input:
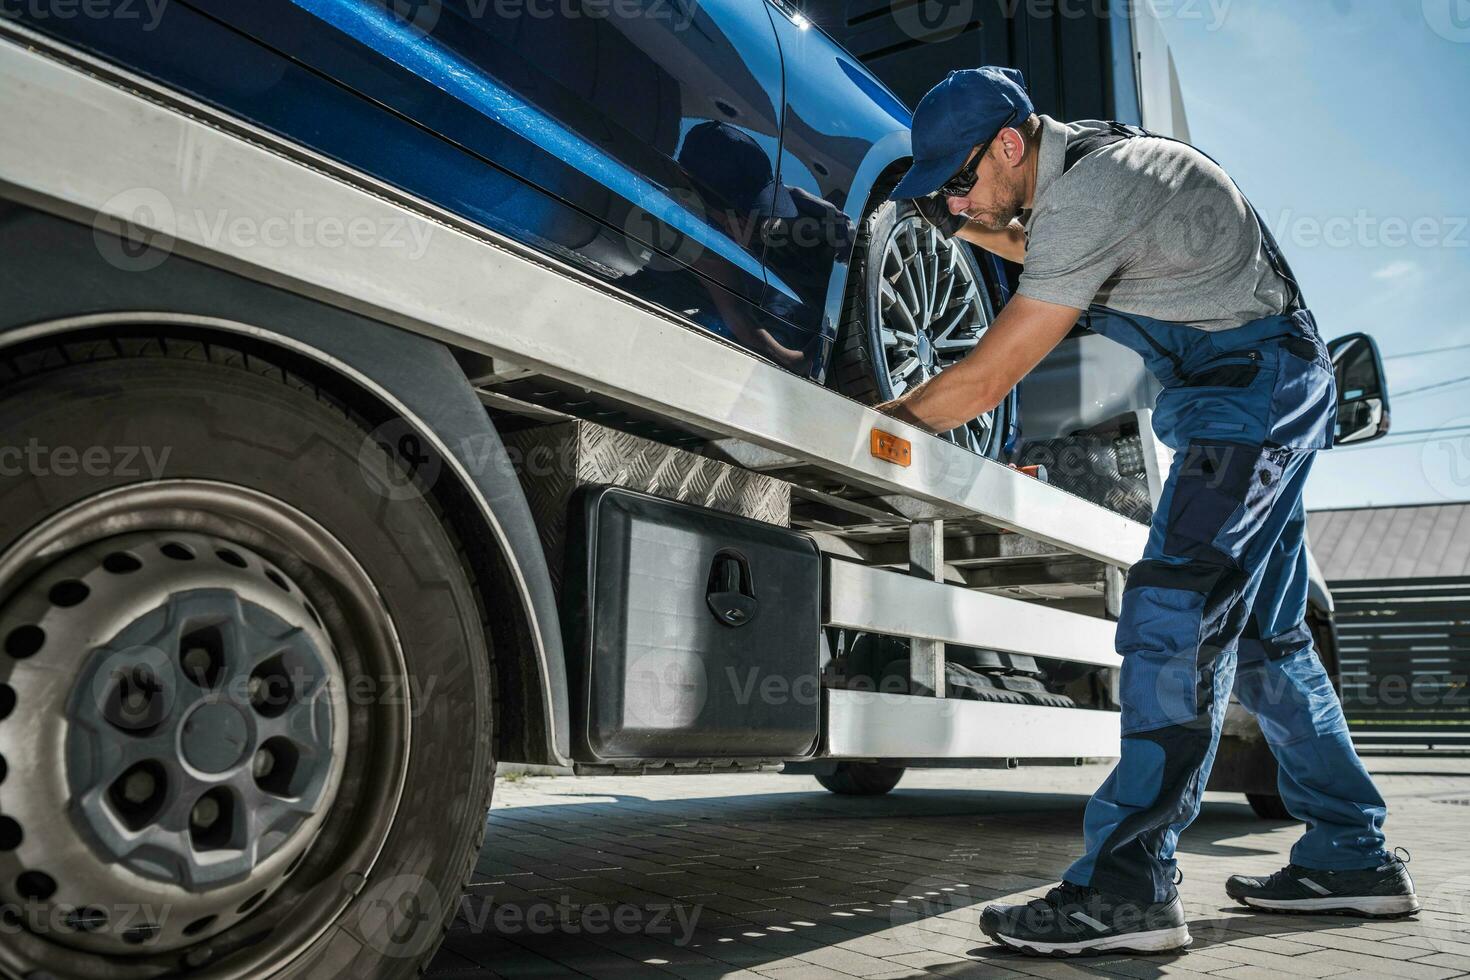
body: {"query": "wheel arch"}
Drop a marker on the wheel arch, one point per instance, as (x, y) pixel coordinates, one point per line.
(885, 162)
(385, 370)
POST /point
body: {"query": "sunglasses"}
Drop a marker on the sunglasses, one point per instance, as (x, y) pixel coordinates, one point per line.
(963, 182)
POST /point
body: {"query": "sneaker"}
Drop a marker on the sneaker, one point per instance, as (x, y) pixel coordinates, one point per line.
(1384, 892)
(1072, 920)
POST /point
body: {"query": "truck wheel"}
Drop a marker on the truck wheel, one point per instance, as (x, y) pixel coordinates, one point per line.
(245, 705)
(916, 304)
(1268, 806)
(861, 779)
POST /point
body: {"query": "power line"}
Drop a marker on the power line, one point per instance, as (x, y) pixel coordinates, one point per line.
(1433, 387)
(1395, 438)
(1431, 350)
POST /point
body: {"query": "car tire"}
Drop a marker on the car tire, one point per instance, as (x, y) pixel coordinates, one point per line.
(1269, 806)
(915, 305)
(861, 779)
(243, 471)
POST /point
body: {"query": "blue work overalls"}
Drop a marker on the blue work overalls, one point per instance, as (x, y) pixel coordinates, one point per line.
(1219, 598)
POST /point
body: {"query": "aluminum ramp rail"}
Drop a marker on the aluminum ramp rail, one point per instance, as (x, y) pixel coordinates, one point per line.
(534, 317)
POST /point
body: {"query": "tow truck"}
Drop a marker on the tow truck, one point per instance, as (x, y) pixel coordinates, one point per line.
(565, 528)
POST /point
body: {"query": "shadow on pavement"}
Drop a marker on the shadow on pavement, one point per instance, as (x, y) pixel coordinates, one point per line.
(625, 885)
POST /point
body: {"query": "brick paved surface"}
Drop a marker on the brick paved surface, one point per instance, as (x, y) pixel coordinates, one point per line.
(770, 876)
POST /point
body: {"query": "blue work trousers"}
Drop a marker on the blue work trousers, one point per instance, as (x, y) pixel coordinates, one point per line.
(1218, 603)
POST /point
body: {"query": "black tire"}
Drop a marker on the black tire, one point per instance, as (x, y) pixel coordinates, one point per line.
(861, 779)
(1268, 806)
(375, 893)
(859, 368)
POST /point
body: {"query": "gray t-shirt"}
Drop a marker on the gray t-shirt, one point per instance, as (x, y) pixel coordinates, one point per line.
(1147, 226)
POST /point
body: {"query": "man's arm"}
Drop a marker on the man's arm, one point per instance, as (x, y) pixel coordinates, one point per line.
(1009, 243)
(1024, 333)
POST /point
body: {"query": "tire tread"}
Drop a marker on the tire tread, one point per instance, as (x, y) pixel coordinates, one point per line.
(45, 357)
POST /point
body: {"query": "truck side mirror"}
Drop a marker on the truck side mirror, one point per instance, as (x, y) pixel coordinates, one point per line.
(1362, 395)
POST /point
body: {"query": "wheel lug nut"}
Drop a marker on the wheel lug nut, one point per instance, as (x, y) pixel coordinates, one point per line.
(265, 762)
(196, 661)
(139, 787)
(205, 813)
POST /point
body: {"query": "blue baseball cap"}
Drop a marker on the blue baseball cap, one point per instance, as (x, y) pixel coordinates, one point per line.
(966, 109)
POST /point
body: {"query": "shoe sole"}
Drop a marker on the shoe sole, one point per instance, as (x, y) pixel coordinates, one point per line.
(1366, 906)
(1148, 943)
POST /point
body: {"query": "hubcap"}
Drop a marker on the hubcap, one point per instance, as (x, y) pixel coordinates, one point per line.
(932, 312)
(199, 752)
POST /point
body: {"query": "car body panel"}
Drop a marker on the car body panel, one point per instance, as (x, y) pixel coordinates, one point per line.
(842, 128)
(571, 134)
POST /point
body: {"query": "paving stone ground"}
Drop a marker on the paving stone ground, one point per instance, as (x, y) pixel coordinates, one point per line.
(751, 876)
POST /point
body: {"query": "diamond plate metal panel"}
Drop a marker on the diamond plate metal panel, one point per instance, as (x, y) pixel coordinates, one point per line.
(554, 461)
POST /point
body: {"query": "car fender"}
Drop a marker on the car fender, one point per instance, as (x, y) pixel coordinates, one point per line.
(890, 155)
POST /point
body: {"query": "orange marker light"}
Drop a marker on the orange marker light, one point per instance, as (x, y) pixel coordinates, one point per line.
(895, 449)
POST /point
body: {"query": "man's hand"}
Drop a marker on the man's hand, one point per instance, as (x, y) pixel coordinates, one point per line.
(935, 210)
(1024, 333)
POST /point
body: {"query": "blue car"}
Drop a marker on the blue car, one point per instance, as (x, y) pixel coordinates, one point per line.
(722, 159)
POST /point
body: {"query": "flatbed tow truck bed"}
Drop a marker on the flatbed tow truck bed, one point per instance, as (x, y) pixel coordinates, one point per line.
(540, 337)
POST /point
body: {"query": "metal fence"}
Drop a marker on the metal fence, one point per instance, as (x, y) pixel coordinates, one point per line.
(1404, 648)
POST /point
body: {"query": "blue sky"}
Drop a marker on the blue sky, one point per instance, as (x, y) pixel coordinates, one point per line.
(1346, 123)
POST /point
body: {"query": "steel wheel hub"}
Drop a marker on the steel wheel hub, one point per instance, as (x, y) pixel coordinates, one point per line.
(199, 751)
(932, 312)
